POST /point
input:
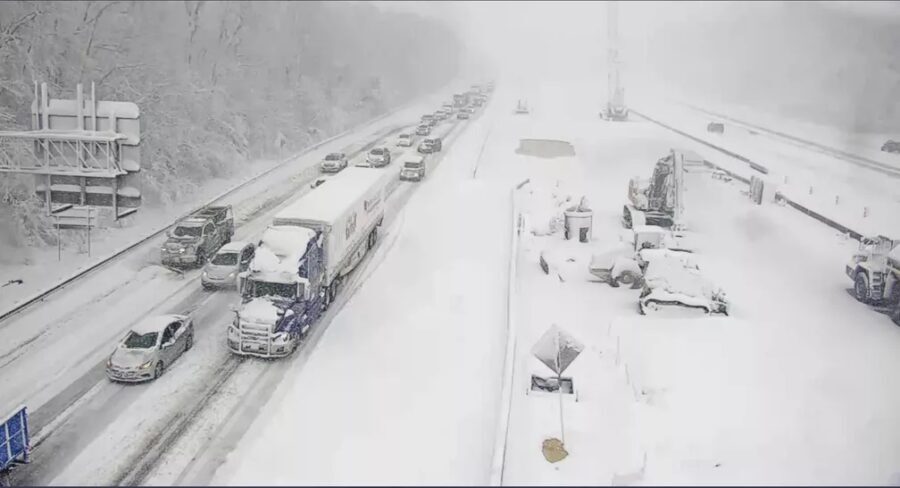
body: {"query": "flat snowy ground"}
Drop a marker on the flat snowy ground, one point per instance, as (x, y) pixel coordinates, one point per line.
(791, 388)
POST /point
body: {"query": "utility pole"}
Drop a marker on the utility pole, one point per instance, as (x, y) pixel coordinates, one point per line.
(615, 96)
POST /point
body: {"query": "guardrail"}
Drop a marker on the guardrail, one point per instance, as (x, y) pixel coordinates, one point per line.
(779, 196)
(41, 296)
(499, 457)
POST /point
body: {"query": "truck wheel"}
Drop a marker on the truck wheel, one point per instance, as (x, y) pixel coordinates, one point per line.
(861, 287)
(626, 278)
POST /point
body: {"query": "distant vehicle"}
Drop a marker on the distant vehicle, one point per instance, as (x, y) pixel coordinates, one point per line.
(195, 238)
(334, 162)
(431, 123)
(425, 118)
(891, 146)
(431, 145)
(715, 127)
(222, 270)
(379, 157)
(462, 115)
(449, 108)
(303, 259)
(468, 110)
(478, 102)
(522, 107)
(405, 140)
(423, 130)
(413, 169)
(150, 347)
(490, 86)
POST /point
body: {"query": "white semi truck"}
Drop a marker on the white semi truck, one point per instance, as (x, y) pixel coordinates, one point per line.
(302, 260)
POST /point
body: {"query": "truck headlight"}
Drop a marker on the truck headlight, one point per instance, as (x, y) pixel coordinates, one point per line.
(232, 331)
(281, 337)
(205, 274)
(231, 275)
(147, 364)
(181, 250)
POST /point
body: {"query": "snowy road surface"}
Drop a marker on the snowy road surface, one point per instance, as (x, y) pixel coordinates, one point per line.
(403, 386)
(72, 402)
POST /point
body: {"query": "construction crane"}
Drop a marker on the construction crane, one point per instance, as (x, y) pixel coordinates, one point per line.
(615, 96)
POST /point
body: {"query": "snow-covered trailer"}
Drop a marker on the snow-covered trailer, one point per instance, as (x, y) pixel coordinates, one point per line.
(302, 258)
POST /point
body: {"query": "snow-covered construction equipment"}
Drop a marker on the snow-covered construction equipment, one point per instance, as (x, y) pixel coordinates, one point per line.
(669, 286)
(302, 259)
(659, 200)
(875, 271)
(625, 265)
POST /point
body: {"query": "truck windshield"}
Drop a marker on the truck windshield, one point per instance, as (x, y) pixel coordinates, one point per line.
(140, 341)
(412, 164)
(265, 289)
(225, 259)
(333, 157)
(187, 231)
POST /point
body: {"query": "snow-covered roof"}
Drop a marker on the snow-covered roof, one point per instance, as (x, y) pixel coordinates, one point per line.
(69, 107)
(670, 276)
(64, 135)
(233, 246)
(328, 202)
(156, 323)
(192, 222)
(278, 256)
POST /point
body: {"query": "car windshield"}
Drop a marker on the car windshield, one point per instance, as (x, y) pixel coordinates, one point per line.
(377, 152)
(404, 136)
(225, 259)
(265, 289)
(187, 231)
(413, 164)
(140, 341)
(333, 157)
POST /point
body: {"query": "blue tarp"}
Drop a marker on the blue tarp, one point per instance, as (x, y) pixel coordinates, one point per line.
(14, 439)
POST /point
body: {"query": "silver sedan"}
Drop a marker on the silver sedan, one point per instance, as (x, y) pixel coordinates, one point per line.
(151, 346)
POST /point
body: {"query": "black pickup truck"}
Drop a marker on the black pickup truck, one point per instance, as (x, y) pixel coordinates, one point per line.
(197, 237)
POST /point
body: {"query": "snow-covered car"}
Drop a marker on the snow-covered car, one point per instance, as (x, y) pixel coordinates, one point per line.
(378, 157)
(616, 267)
(405, 140)
(413, 169)
(423, 130)
(426, 118)
(891, 146)
(644, 257)
(715, 127)
(222, 270)
(150, 347)
(334, 162)
(462, 115)
(430, 145)
(670, 286)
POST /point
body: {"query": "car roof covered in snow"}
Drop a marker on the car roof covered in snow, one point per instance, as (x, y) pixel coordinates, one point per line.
(155, 323)
(233, 246)
(192, 222)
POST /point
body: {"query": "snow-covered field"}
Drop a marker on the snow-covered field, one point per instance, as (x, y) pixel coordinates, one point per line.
(790, 388)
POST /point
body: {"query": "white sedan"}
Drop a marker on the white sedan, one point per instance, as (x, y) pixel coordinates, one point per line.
(151, 346)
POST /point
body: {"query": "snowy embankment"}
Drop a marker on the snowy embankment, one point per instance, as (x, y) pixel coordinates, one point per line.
(790, 388)
(860, 199)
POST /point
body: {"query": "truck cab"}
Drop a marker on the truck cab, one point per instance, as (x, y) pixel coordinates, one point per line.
(281, 296)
